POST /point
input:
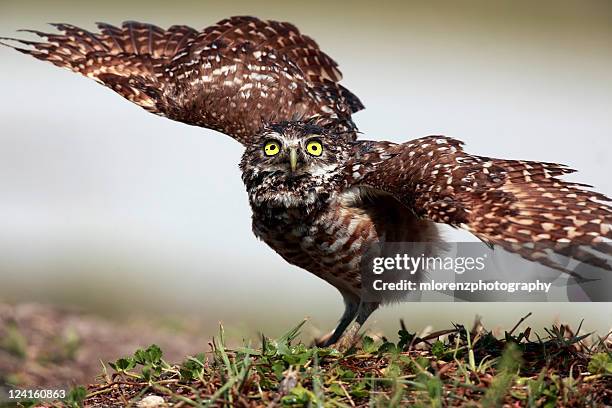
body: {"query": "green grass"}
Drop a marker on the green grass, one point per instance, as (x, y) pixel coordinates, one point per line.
(455, 367)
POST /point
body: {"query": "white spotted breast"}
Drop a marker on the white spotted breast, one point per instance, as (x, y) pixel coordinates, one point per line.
(331, 241)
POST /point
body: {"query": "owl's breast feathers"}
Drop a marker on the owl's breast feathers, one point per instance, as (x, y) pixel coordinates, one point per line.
(331, 241)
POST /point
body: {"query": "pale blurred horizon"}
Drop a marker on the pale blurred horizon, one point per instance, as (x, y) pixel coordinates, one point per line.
(116, 210)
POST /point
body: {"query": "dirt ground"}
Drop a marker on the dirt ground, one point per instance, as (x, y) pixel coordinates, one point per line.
(49, 346)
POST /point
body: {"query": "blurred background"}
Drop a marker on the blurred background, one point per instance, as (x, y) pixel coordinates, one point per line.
(123, 214)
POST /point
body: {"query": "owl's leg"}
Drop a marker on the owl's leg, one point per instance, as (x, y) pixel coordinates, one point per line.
(350, 337)
(351, 306)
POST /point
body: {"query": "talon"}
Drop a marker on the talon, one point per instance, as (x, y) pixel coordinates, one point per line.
(349, 339)
(322, 341)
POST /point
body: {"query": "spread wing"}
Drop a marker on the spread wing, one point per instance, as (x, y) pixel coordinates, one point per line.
(522, 206)
(231, 77)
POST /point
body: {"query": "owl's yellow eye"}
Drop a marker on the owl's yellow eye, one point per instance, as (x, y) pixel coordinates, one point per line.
(271, 148)
(314, 147)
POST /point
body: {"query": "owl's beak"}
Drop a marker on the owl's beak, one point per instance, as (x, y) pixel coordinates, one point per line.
(293, 159)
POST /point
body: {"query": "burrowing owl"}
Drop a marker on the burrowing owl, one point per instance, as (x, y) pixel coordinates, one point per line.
(320, 197)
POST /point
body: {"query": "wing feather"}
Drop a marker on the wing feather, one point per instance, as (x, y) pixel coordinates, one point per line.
(233, 76)
(522, 206)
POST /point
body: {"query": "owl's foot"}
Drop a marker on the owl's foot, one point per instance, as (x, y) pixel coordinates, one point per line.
(323, 341)
(343, 343)
(350, 337)
(346, 335)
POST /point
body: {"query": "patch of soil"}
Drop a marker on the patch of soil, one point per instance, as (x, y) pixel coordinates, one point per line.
(49, 346)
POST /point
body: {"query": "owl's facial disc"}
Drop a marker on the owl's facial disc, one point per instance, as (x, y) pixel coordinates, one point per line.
(292, 164)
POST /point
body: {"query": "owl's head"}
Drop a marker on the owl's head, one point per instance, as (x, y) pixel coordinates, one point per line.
(293, 164)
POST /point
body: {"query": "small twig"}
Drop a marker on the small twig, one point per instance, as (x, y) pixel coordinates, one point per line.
(179, 397)
(519, 323)
(347, 394)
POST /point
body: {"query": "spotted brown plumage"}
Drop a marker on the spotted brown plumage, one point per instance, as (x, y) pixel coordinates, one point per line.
(522, 206)
(323, 208)
(232, 76)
